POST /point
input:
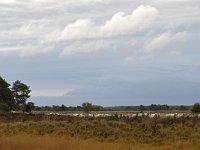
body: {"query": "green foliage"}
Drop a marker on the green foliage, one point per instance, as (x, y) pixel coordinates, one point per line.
(196, 108)
(87, 107)
(21, 93)
(155, 107)
(29, 106)
(4, 107)
(14, 98)
(141, 107)
(6, 94)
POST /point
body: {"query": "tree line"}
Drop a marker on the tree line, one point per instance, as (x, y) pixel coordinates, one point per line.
(87, 107)
(14, 97)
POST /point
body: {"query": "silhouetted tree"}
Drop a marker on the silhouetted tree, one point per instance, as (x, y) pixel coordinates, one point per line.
(29, 106)
(141, 107)
(63, 107)
(21, 93)
(196, 108)
(6, 96)
(87, 107)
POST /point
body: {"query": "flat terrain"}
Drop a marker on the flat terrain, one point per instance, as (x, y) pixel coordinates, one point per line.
(102, 134)
(25, 142)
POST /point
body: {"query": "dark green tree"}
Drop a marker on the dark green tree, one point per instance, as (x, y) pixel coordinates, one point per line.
(63, 108)
(30, 106)
(6, 96)
(21, 93)
(141, 108)
(196, 108)
(87, 107)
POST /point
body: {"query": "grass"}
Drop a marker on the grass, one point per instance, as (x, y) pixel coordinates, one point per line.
(100, 135)
(28, 142)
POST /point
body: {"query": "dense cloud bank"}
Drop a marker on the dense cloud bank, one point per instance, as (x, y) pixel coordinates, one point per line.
(104, 51)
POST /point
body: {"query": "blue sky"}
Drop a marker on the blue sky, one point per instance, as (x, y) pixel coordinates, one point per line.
(113, 52)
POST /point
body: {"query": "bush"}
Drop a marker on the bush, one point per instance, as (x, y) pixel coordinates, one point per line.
(196, 108)
(4, 107)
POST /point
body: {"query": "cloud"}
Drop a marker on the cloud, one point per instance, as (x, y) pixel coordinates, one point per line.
(86, 47)
(30, 50)
(95, 39)
(84, 26)
(80, 29)
(140, 19)
(162, 40)
(119, 24)
(91, 46)
(7, 1)
(33, 27)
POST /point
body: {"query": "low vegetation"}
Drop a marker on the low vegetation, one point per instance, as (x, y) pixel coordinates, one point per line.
(103, 134)
(196, 108)
(86, 130)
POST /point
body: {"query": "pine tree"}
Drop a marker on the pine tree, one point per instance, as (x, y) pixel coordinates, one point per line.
(6, 96)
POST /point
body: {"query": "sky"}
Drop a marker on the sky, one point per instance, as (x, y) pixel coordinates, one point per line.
(107, 52)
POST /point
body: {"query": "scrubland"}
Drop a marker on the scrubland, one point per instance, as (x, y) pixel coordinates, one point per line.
(102, 134)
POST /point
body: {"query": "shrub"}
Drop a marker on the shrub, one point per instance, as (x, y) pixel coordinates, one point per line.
(196, 108)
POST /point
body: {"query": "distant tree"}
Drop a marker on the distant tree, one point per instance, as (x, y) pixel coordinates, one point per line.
(182, 107)
(30, 106)
(87, 107)
(153, 107)
(164, 107)
(63, 108)
(79, 108)
(196, 108)
(56, 108)
(6, 96)
(141, 108)
(97, 108)
(21, 93)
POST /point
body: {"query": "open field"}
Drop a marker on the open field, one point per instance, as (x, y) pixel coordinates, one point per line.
(75, 133)
(24, 142)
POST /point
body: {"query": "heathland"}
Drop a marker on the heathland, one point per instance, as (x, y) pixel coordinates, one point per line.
(106, 133)
(24, 126)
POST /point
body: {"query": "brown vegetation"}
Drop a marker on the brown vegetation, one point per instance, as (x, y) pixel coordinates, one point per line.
(75, 134)
(25, 142)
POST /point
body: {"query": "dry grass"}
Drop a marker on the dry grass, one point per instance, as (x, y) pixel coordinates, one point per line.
(24, 142)
(99, 135)
(27, 142)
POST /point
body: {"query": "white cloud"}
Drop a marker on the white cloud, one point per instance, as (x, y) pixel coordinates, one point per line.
(140, 19)
(163, 40)
(91, 46)
(83, 28)
(86, 47)
(119, 24)
(49, 3)
(30, 50)
(8, 49)
(7, 1)
(33, 27)
(40, 26)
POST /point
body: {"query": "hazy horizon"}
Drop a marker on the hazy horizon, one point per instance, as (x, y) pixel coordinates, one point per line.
(108, 52)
